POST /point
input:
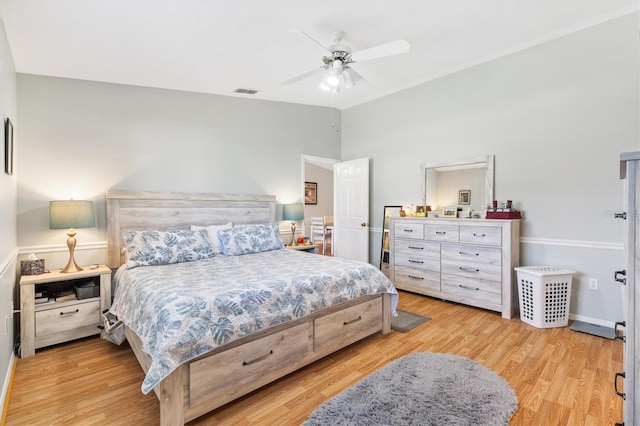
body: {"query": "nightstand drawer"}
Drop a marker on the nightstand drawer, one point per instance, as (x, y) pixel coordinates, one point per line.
(68, 317)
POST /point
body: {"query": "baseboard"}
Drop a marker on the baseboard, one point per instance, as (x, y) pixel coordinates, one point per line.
(6, 389)
(590, 320)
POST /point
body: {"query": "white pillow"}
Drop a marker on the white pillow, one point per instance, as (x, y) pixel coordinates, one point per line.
(212, 232)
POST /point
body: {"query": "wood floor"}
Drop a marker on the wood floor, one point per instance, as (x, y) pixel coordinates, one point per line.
(561, 377)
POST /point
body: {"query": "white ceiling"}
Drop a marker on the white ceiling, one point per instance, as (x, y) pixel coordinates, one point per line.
(220, 46)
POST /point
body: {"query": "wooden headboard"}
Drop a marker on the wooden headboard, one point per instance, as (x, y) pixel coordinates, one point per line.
(139, 210)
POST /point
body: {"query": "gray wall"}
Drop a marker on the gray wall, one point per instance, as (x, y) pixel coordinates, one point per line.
(556, 117)
(80, 138)
(8, 202)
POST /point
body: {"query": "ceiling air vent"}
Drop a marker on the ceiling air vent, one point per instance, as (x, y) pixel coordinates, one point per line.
(247, 91)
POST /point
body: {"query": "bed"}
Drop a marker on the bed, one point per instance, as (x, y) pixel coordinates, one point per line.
(273, 310)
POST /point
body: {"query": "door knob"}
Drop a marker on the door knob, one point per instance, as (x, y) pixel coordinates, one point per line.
(364, 224)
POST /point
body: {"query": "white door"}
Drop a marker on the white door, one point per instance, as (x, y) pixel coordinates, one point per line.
(351, 209)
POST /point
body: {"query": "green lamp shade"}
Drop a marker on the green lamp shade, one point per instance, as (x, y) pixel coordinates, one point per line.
(71, 214)
(293, 211)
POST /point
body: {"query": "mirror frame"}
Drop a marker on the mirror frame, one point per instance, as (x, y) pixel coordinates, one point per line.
(386, 234)
(489, 162)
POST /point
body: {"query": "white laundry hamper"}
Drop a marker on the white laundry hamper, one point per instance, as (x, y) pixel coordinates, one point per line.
(545, 293)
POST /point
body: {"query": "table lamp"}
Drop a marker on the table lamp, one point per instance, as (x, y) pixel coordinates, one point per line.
(71, 214)
(293, 212)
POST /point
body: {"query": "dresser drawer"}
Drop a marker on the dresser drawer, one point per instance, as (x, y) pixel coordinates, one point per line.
(248, 366)
(476, 262)
(445, 233)
(414, 231)
(487, 235)
(68, 317)
(412, 277)
(348, 325)
(417, 261)
(419, 248)
(486, 294)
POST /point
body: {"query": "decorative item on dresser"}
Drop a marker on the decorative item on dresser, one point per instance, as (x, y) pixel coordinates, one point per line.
(630, 172)
(463, 260)
(55, 321)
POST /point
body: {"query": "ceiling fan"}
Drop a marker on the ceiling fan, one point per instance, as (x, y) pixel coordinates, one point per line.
(337, 63)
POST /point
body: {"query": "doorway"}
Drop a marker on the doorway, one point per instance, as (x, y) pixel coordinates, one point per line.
(317, 177)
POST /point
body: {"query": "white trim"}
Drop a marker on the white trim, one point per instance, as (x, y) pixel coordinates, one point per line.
(590, 320)
(603, 245)
(8, 261)
(62, 247)
(5, 388)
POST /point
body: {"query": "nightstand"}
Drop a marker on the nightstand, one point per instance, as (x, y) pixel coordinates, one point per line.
(311, 249)
(53, 322)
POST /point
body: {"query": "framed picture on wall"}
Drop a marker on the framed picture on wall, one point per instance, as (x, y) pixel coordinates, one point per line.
(8, 147)
(311, 193)
(464, 197)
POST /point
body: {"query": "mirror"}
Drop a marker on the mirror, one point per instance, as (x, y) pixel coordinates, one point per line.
(465, 184)
(389, 212)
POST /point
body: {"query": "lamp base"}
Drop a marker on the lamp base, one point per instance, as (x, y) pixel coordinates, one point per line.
(293, 234)
(72, 266)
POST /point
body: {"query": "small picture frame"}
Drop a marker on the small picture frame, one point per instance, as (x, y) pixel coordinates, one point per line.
(421, 211)
(464, 197)
(450, 212)
(8, 147)
(311, 193)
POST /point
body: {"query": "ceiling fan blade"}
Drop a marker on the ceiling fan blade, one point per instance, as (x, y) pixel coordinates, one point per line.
(354, 76)
(303, 76)
(311, 38)
(388, 49)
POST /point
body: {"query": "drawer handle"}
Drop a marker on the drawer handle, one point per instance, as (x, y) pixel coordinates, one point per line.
(416, 248)
(258, 359)
(615, 330)
(468, 254)
(408, 230)
(479, 235)
(440, 232)
(416, 261)
(469, 269)
(352, 321)
(615, 385)
(70, 312)
(415, 278)
(469, 288)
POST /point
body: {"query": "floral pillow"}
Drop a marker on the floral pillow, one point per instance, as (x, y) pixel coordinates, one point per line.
(245, 239)
(146, 248)
(212, 231)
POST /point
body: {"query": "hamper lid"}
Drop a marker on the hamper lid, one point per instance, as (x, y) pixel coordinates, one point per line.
(542, 271)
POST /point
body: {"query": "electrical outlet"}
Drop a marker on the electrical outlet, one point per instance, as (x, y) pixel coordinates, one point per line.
(593, 283)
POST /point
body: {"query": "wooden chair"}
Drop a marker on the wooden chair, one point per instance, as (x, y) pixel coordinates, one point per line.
(319, 232)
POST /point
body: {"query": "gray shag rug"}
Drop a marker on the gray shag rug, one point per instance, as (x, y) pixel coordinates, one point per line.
(423, 389)
(406, 320)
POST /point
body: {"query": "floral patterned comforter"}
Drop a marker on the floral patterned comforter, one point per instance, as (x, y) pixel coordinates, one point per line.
(183, 310)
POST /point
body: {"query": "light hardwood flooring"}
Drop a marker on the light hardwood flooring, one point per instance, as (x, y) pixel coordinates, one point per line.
(561, 377)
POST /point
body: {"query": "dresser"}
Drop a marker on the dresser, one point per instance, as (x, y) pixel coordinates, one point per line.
(467, 261)
(626, 382)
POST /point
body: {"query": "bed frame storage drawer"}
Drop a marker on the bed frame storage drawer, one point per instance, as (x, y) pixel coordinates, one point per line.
(69, 321)
(249, 366)
(347, 326)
